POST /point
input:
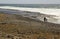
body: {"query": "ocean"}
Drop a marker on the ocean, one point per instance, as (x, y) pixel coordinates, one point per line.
(53, 10)
(33, 5)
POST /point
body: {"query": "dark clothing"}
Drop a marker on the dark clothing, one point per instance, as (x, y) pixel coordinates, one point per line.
(45, 19)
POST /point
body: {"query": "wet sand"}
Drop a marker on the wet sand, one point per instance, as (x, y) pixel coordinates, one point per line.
(27, 25)
(32, 15)
(18, 26)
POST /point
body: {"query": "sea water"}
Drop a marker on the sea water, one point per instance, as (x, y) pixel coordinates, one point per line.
(47, 9)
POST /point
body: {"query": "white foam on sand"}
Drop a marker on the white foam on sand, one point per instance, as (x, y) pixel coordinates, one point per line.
(48, 11)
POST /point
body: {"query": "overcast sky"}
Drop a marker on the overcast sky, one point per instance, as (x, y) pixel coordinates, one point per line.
(30, 1)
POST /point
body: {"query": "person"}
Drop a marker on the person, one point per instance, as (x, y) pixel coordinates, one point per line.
(45, 20)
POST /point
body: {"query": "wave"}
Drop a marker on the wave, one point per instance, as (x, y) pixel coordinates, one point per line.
(49, 11)
(46, 11)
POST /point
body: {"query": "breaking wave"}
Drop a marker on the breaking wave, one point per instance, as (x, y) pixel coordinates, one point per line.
(47, 11)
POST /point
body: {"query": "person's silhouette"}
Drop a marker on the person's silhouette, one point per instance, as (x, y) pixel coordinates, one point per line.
(45, 19)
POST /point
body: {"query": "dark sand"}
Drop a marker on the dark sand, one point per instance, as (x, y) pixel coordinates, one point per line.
(18, 26)
(24, 27)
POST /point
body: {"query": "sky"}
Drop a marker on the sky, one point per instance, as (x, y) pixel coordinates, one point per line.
(29, 1)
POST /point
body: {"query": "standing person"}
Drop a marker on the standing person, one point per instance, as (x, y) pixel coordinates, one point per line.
(45, 20)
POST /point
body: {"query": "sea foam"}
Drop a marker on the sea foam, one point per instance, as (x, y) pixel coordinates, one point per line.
(47, 11)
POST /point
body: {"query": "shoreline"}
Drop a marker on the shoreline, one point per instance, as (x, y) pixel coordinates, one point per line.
(32, 15)
(26, 27)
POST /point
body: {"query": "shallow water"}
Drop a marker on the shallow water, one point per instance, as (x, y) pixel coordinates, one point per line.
(53, 15)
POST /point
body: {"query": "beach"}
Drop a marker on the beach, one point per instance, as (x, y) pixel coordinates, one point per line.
(23, 26)
(52, 15)
(27, 24)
